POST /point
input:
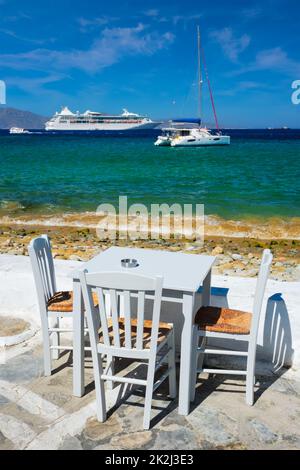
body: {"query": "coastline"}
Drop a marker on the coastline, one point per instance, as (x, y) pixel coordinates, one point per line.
(236, 255)
(260, 228)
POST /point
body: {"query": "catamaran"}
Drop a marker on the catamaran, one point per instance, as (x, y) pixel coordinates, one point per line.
(89, 121)
(196, 136)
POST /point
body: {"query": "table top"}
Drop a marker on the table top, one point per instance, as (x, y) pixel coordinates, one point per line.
(183, 272)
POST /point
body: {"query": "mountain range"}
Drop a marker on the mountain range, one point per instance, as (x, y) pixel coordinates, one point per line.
(11, 117)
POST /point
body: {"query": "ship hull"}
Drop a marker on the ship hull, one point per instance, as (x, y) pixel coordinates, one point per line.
(99, 127)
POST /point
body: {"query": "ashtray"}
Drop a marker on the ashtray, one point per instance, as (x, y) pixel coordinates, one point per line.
(129, 263)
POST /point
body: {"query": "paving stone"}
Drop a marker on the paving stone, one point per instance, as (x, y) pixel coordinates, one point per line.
(100, 432)
(132, 411)
(263, 433)
(22, 369)
(213, 426)
(291, 441)
(131, 415)
(16, 431)
(286, 387)
(5, 444)
(70, 443)
(106, 446)
(221, 420)
(3, 400)
(58, 398)
(179, 439)
(137, 440)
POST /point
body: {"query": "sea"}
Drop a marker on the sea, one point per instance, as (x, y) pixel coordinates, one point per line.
(61, 179)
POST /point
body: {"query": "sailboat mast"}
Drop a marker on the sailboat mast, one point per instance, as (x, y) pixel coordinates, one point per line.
(199, 75)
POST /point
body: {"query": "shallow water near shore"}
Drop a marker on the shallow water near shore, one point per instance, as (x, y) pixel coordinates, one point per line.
(251, 186)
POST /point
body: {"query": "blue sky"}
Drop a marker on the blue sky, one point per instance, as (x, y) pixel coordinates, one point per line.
(142, 55)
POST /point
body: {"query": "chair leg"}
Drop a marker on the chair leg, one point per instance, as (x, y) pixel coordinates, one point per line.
(250, 379)
(149, 394)
(99, 386)
(172, 366)
(110, 370)
(46, 350)
(194, 364)
(201, 355)
(55, 341)
(197, 365)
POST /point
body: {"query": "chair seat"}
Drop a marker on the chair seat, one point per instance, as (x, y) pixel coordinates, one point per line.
(63, 302)
(164, 330)
(223, 320)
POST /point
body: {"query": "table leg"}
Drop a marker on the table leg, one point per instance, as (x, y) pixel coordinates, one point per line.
(78, 341)
(186, 354)
(206, 290)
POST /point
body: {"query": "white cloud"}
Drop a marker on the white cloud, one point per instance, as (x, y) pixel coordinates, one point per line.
(251, 13)
(87, 24)
(243, 86)
(16, 17)
(152, 12)
(231, 45)
(186, 18)
(39, 86)
(272, 58)
(9, 32)
(34, 84)
(275, 59)
(156, 16)
(112, 46)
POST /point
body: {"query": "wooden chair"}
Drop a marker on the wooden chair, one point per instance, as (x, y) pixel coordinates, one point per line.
(129, 336)
(224, 323)
(53, 304)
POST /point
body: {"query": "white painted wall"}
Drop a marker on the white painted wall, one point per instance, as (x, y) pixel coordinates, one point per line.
(279, 335)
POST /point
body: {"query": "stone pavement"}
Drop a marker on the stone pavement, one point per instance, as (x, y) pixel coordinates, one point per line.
(40, 413)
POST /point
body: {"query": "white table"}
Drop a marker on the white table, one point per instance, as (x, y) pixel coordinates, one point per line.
(183, 275)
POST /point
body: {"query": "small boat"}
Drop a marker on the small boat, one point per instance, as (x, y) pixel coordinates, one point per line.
(18, 130)
(195, 136)
(198, 137)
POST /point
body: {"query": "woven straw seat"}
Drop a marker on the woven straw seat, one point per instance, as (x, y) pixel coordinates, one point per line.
(223, 320)
(164, 330)
(63, 302)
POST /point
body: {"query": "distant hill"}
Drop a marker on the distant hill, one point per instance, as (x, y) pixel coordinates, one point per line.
(11, 117)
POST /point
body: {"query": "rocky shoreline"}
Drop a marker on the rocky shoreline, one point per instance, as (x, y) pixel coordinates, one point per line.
(235, 256)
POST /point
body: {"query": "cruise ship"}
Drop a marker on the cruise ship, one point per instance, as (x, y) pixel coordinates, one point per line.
(94, 121)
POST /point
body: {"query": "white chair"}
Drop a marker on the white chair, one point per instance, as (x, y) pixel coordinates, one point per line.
(53, 304)
(128, 336)
(224, 323)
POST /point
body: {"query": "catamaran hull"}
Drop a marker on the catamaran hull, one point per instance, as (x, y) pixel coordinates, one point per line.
(161, 142)
(203, 142)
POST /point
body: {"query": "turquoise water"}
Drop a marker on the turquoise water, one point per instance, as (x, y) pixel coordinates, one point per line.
(52, 174)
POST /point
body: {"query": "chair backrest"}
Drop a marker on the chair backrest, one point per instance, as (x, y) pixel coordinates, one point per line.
(114, 289)
(260, 289)
(43, 269)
